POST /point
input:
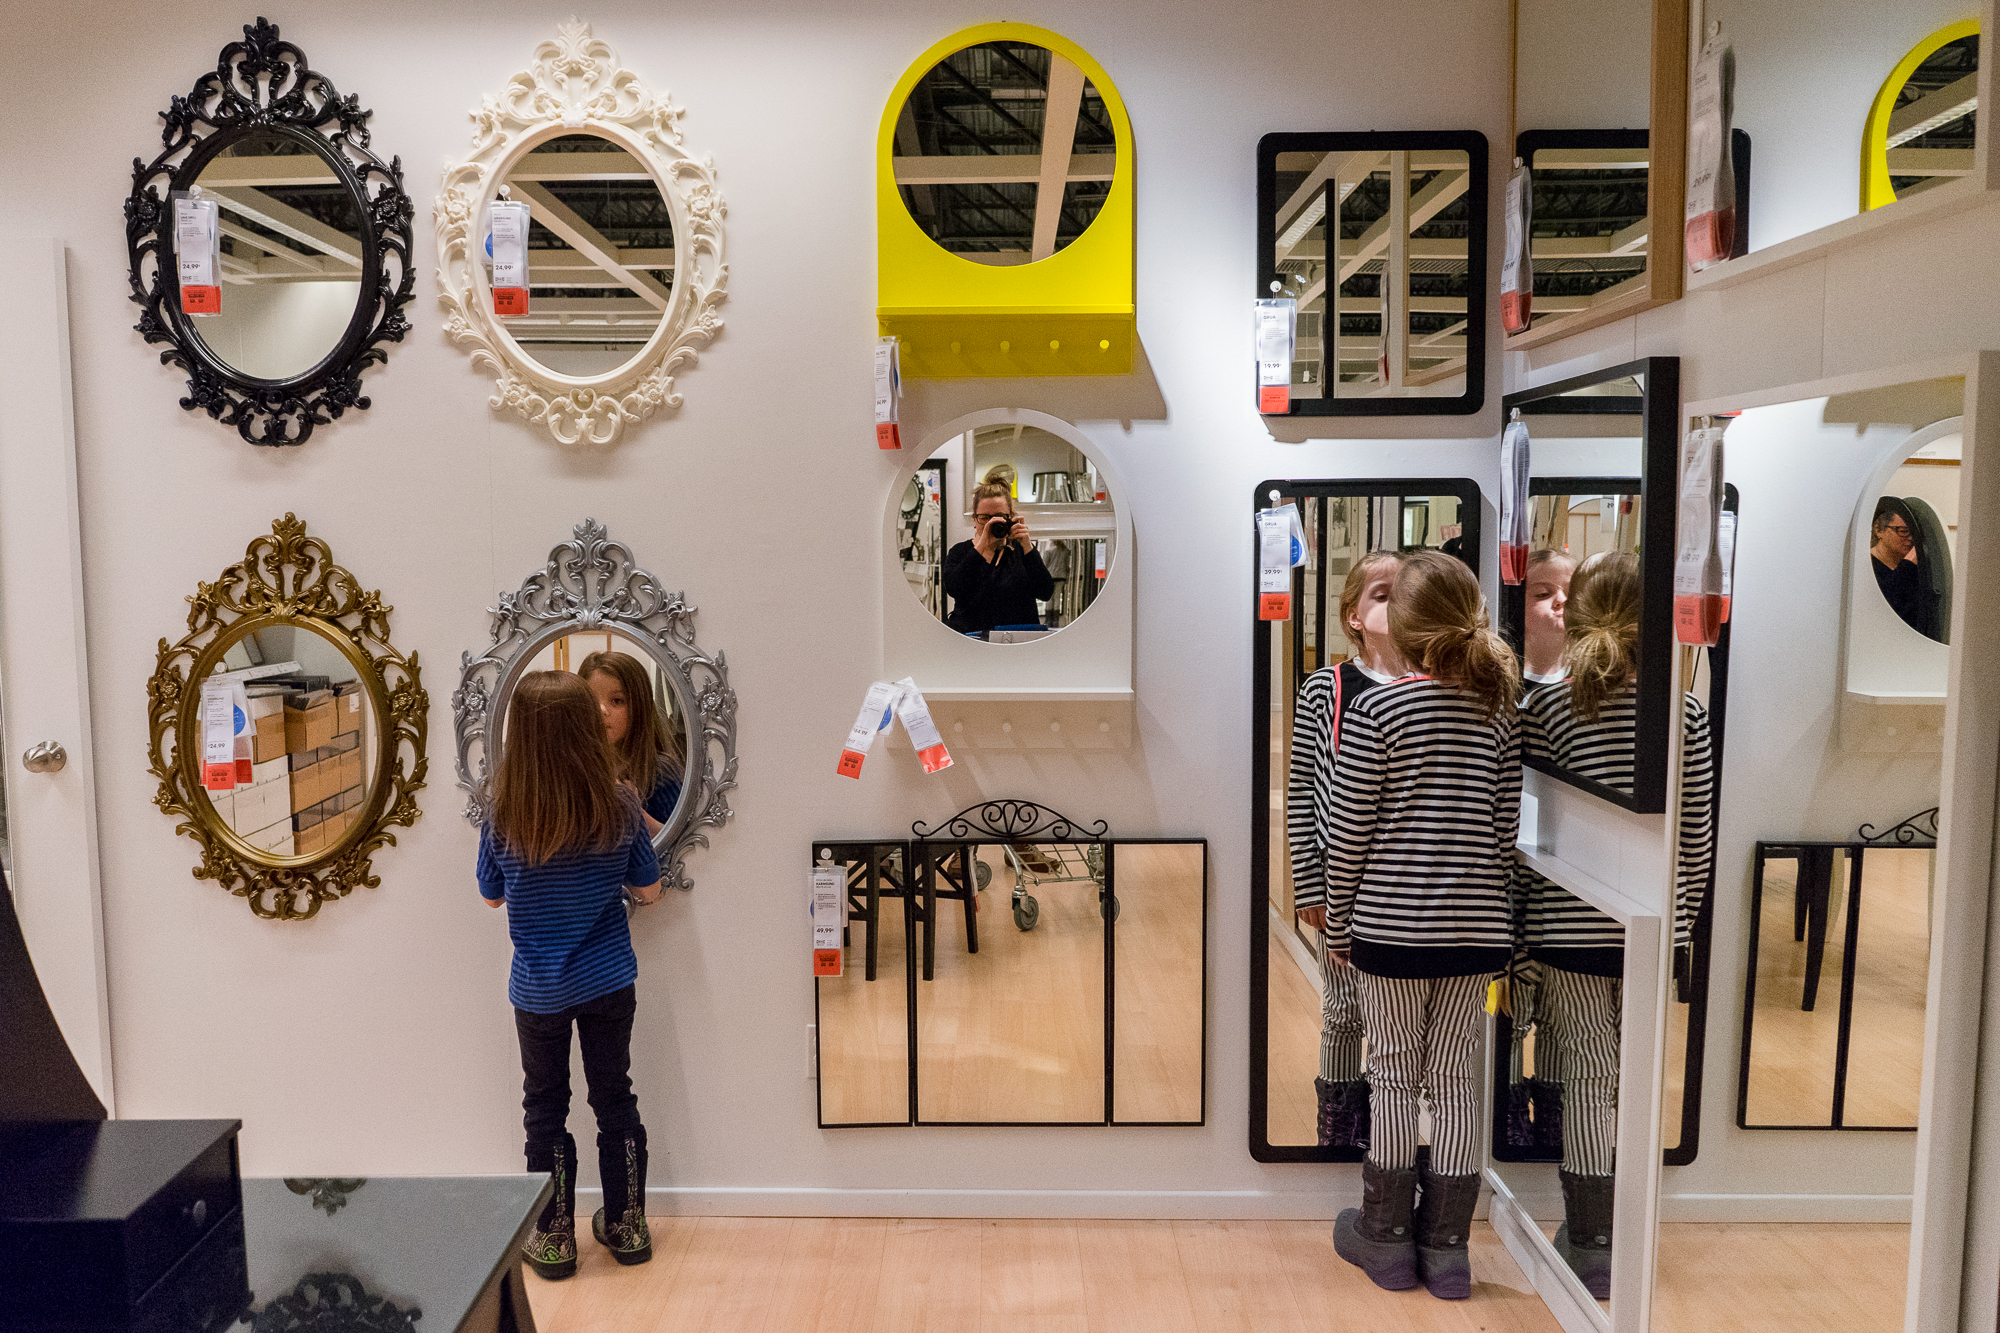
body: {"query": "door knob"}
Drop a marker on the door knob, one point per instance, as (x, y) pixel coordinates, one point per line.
(45, 757)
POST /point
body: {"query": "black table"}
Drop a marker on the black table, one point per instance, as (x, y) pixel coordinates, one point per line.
(445, 1246)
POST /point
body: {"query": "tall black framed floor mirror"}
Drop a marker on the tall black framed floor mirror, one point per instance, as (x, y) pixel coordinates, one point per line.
(1305, 1051)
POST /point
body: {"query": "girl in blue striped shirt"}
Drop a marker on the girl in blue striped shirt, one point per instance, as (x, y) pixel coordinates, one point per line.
(564, 846)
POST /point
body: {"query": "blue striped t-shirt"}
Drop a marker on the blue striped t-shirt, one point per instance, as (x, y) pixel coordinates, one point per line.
(567, 918)
(666, 793)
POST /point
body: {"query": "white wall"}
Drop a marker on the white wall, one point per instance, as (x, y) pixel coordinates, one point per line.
(376, 1039)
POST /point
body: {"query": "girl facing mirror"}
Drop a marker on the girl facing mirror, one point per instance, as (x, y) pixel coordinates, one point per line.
(1341, 1087)
(1417, 829)
(1545, 593)
(649, 756)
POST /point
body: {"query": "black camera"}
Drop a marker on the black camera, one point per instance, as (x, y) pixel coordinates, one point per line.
(1000, 527)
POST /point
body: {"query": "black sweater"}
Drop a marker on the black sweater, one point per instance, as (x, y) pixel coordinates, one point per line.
(1003, 592)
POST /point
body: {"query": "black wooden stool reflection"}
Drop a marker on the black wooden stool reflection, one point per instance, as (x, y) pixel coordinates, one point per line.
(951, 871)
(1812, 901)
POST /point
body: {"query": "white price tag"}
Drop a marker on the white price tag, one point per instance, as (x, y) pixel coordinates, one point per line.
(218, 737)
(1517, 264)
(1274, 564)
(1514, 503)
(507, 245)
(1277, 342)
(828, 889)
(888, 393)
(875, 712)
(1725, 544)
(1697, 566)
(915, 715)
(197, 254)
(1100, 559)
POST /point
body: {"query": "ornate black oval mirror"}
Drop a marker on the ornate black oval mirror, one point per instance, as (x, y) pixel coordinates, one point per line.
(270, 246)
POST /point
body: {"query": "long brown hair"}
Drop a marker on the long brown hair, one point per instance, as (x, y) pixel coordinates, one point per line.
(1357, 580)
(648, 739)
(1438, 622)
(556, 790)
(1601, 630)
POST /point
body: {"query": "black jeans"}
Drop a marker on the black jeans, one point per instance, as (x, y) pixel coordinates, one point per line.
(604, 1029)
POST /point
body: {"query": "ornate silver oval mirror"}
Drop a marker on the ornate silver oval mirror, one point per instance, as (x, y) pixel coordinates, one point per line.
(623, 251)
(278, 297)
(667, 703)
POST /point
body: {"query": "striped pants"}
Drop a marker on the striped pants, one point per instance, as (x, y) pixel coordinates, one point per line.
(1423, 1046)
(1340, 1021)
(1580, 1015)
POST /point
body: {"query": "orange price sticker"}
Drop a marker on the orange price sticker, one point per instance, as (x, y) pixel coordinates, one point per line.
(850, 764)
(826, 962)
(1274, 606)
(201, 300)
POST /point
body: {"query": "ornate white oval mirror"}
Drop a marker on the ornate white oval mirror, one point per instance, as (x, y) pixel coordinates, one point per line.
(669, 711)
(624, 262)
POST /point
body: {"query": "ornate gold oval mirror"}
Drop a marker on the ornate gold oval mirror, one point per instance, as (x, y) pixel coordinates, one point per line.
(286, 730)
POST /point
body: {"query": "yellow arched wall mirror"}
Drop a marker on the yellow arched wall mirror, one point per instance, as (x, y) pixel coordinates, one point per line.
(1919, 129)
(1004, 210)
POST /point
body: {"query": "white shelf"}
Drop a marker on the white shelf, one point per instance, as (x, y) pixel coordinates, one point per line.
(1822, 241)
(1585, 886)
(1934, 698)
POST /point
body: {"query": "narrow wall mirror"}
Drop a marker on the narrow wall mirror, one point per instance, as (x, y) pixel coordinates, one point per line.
(1600, 114)
(667, 702)
(286, 729)
(1823, 943)
(1834, 1007)
(1076, 997)
(310, 267)
(1606, 445)
(1308, 1091)
(1381, 238)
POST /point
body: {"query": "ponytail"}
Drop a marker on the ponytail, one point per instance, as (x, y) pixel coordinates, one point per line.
(1601, 621)
(1438, 620)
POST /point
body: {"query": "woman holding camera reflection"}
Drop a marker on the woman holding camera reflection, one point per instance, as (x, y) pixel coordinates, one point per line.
(1894, 550)
(998, 577)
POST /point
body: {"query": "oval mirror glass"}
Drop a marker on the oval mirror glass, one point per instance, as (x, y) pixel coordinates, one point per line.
(292, 251)
(600, 255)
(307, 744)
(1004, 152)
(644, 716)
(1006, 533)
(1913, 536)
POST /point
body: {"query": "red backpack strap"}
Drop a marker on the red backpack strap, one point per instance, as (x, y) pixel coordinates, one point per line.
(1333, 736)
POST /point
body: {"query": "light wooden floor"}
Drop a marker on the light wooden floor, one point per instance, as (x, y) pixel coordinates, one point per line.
(1782, 1278)
(861, 1275)
(1016, 1031)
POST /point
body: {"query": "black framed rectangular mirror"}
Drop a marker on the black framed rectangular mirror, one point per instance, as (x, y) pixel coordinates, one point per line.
(1835, 990)
(1082, 1000)
(1392, 308)
(1595, 716)
(1308, 1094)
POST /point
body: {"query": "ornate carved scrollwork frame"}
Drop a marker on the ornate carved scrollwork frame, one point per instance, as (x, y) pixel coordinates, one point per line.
(576, 85)
(263, 84)
(1012, 820)
(593, 583)
(288, 578)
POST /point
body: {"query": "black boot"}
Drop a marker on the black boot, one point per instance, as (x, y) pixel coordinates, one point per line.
(1343, 1113)
(551, 1247)
(1444, 1230)
(1547, 1096)
(1378, 1237)
(1584, 1238)
(620, 1225)
(1519, 1128)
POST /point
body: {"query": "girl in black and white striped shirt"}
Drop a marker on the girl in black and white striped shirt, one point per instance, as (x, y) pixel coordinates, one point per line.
(1417, 829)
(1587, 723)
(1322, 704)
